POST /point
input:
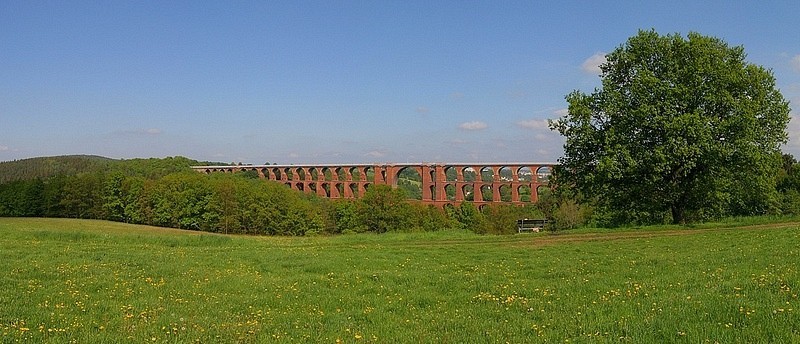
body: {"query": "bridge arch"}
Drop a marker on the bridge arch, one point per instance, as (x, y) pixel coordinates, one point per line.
(451, 193)
(409, 179)
(543, 174)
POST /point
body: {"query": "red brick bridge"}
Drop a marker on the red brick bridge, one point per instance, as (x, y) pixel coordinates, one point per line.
(440, 183)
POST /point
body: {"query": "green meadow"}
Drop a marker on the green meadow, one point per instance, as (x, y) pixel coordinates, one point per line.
(94, 281)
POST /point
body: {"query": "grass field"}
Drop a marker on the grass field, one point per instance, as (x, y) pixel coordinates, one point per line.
(93, 281)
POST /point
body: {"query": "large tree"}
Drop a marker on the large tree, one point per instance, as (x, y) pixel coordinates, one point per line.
(681, 129)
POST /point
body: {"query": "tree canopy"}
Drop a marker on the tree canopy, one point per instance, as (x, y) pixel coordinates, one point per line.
(682, 129)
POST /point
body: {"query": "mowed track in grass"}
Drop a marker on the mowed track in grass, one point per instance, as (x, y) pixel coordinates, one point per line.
(94, 281)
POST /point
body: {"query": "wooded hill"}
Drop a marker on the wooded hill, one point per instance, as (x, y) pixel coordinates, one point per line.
(68, 165)
(45, 167)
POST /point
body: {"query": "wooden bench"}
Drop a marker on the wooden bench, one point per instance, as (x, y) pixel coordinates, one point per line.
(530, 225)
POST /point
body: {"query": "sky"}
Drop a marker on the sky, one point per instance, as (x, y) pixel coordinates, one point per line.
(305, 82)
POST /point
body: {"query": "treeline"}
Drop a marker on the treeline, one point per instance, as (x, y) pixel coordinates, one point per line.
(166, 192)
(781, 198)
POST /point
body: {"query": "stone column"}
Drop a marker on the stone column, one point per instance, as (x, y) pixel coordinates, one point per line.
(440, 182)
(427, 183)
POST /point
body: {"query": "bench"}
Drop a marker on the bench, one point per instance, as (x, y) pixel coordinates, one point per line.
(530, 225)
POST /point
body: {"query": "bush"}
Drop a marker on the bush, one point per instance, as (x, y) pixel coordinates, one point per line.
(384, 209)
(502, 218)
(568, 215)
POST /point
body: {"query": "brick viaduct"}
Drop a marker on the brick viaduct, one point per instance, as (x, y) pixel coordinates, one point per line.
(478, 180)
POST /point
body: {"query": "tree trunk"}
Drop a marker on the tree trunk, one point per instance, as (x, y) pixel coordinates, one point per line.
(678, 214)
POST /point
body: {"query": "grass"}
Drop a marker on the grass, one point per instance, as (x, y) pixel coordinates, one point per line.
(95, 281)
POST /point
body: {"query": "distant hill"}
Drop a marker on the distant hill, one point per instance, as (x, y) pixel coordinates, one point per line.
(45, 167)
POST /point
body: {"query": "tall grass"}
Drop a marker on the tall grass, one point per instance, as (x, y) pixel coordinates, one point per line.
(94, 281)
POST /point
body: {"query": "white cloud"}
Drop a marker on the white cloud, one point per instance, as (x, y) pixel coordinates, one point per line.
(592, 64)
(474, 125)
(376, 154)
(153, 131)
(561, 112)
(533, 124)
(796, 63)
(294, 155)
(422, 110)
(4, 148)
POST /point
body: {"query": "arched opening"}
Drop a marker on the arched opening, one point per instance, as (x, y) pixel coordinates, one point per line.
(353, 189)
(300, 187)
(469, 193)
(340, 173)
(487, 174)
(327, 188)
(505, 193)
(450, 174)
(356, 173)
(543, 174)
(506, 175)
(525, 174)
(314, 173)
(312, 187)
(277, 175)
(469, 174)
(524, 193)
(327, 175)
(301, 173)
(450, 191)
(288, 173)
(486, 191)
(410, 181)
(369, 174)
(339, 190)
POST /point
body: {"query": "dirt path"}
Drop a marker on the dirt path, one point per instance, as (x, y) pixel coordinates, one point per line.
(534, 240)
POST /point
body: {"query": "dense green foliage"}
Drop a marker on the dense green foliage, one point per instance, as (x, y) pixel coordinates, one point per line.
(46, 167)
(84, 281)
(683, 129)
(167, 193)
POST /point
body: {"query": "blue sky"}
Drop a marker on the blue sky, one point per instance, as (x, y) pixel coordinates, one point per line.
(334, 81)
